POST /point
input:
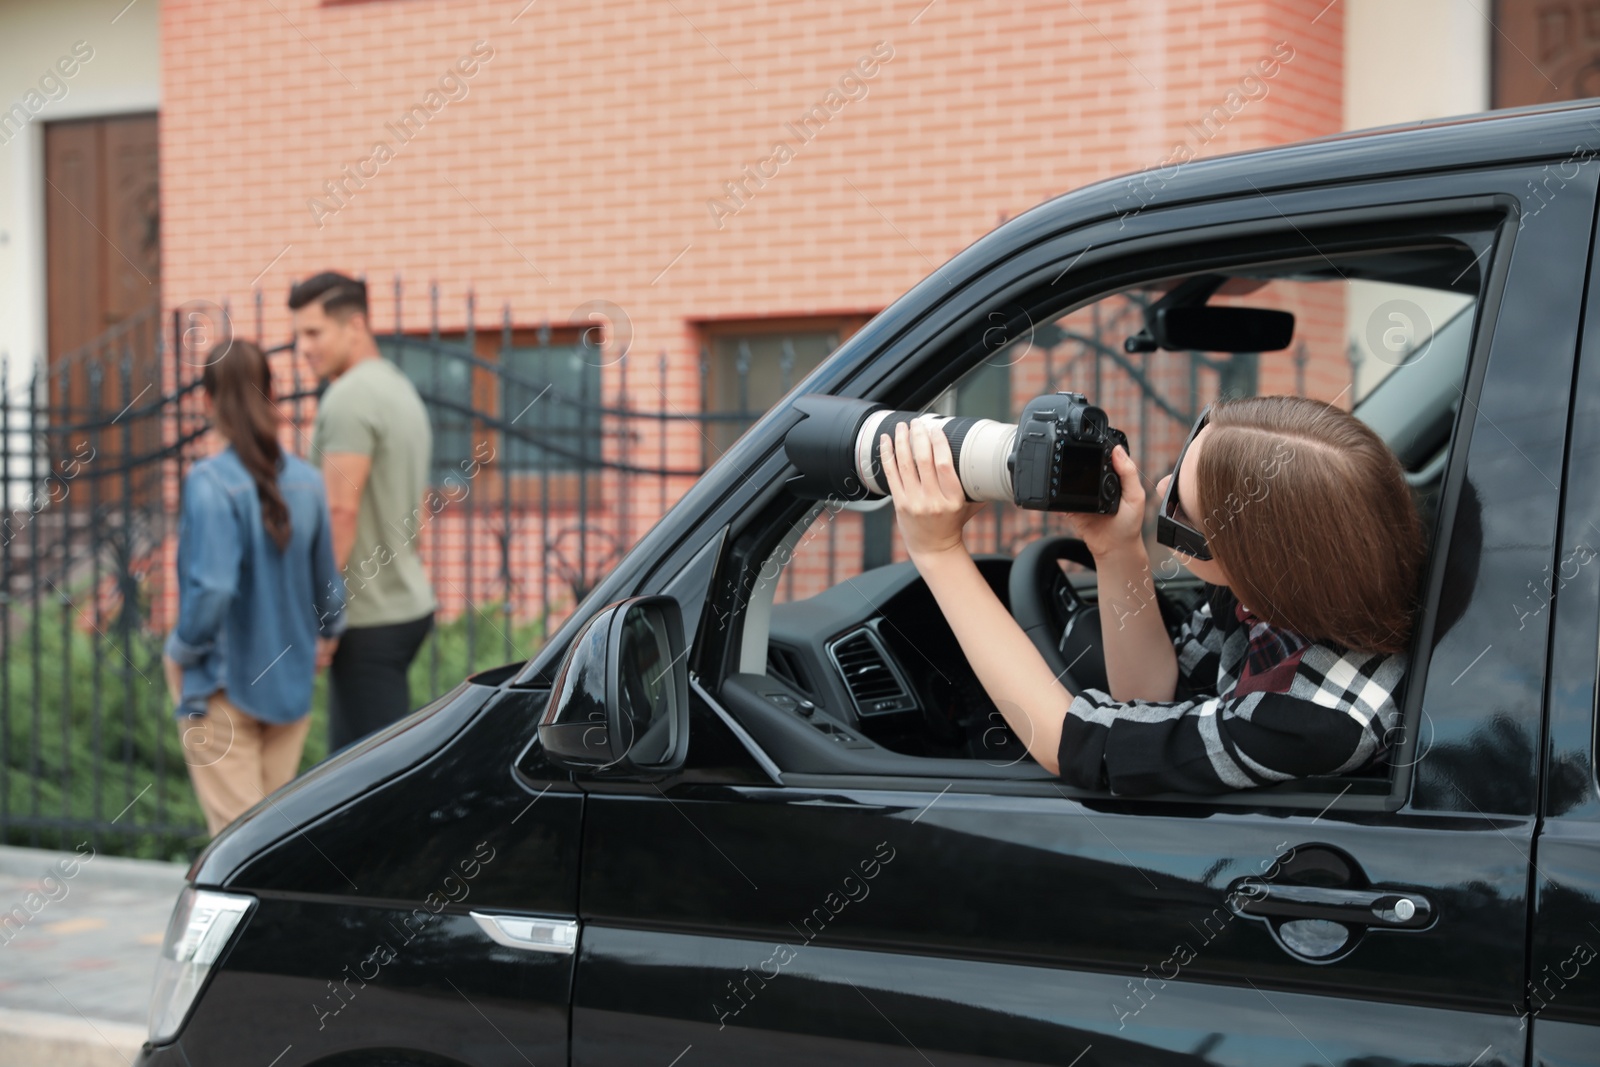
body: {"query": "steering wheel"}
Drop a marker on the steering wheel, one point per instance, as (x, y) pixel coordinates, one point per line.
(1062, 626)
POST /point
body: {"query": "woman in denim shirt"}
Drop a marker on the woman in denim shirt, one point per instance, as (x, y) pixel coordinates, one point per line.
(260, 603)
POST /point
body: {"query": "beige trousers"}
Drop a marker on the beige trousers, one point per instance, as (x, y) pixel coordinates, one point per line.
(236, 759)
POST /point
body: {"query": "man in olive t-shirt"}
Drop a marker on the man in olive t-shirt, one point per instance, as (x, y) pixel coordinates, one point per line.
(374, 445)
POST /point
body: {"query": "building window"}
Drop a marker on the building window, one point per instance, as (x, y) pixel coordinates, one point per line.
(748, 369)
(559, 407)
(442, 372)
(985, 393)
(532, 404)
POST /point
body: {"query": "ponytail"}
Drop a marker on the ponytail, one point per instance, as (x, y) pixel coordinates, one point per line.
(239, 382)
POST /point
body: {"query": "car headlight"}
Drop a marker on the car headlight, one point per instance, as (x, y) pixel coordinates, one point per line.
(202, 923)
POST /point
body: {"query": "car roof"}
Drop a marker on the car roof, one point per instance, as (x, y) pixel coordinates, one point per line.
(1550, 132)
(1555, 115)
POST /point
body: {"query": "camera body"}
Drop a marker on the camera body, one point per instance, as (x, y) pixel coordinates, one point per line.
(1061, 460)
(1057, 458)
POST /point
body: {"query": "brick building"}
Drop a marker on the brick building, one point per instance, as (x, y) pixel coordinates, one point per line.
(725, 189)
(753, 172)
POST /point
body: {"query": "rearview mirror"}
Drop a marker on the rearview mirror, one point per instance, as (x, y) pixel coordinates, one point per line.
(1221, 329)
(620, 704)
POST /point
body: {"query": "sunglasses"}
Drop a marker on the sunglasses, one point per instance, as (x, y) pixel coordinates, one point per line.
(1172, 525)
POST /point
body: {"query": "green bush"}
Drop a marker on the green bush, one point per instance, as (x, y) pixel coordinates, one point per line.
(89, 748)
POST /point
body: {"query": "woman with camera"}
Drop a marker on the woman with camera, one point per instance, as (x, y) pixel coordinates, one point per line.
(1299, 520)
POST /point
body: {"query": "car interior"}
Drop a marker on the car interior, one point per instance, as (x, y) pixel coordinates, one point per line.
(866, 678)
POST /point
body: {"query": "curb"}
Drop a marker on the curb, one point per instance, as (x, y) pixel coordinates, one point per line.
(30, 1038)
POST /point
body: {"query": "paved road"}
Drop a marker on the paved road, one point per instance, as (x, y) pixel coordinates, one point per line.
(79, 940)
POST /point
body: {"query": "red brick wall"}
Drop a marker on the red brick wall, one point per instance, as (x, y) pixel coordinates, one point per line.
(582, 162)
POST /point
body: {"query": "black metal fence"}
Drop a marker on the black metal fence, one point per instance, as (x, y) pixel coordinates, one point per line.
(552, 454)
(547, 466)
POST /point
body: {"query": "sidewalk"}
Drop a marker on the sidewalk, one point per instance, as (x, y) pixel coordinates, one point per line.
(78, 953)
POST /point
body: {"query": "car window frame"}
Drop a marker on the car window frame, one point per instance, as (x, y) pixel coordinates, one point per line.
(1489, 219)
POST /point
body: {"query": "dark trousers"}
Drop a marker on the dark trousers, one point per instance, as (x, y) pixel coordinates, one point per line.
(367, 688)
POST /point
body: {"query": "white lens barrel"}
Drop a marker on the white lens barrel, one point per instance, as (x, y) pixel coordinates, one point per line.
(865, 440)
(982, 459)
(984, 464)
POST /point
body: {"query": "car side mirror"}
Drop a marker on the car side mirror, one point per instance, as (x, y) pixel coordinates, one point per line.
(620, 705)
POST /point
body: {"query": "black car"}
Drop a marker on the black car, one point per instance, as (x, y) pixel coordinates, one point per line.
(754, 829)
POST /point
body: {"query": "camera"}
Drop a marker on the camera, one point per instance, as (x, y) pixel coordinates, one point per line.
(1056, 457)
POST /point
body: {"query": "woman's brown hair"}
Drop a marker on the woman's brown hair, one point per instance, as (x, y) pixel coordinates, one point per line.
(238, 379)
(1308, 512)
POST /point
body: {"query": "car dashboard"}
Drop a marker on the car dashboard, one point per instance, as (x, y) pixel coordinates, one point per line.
(872, 662)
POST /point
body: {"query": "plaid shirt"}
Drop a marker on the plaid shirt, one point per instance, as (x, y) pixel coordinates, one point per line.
(1281, 707)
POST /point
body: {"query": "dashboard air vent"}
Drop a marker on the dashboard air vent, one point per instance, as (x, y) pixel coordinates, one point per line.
(871, 679)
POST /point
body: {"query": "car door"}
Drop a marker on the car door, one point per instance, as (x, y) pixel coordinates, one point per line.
(1561, 1005)
(753, 914)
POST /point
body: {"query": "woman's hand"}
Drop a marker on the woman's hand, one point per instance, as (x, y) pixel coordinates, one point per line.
(1123, 529)
(929, 504)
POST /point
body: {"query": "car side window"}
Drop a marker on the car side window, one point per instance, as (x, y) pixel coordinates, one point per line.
(847, 625)
(1351, 334)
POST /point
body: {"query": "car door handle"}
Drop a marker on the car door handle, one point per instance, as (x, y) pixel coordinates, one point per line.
(530, 933)
(1390, 908)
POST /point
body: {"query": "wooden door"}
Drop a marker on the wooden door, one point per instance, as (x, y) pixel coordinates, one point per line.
(103, 273)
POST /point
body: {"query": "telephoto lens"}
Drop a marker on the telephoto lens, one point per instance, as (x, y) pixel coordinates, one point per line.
(1056, 458)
